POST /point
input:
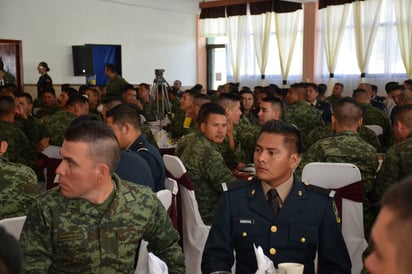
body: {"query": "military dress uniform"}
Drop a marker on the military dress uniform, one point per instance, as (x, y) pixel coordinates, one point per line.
(153, 158)
(305, 224)
(72, 235)
(18, 189)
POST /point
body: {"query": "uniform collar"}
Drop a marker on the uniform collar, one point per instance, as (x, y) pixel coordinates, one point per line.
(283, 189)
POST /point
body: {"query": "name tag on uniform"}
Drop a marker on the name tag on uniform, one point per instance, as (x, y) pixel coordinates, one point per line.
(246, 221)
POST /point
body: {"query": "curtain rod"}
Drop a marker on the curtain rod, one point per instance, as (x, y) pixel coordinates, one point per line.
(222, 3)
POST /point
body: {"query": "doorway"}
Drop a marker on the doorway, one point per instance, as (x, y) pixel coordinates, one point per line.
(12, 57)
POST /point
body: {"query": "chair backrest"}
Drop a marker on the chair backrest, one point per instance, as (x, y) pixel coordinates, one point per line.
(334, 176)
(165, 196)
(378, 130)
(194, 231)
(14, 225)
(174, 165)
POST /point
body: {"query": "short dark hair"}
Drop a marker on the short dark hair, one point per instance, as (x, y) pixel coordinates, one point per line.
(404, 115)
(26, 95)
(228, 99)
(347, 111)
(207, 109)
(313, 85)
(340, 84)
(103, 146)
(77, 99)
(291, 134)
(111, 67)
(127, 87)
(69, 91)
(7, 105)
(397, 198)
(273, 101)
(44, 64)
(125, 113)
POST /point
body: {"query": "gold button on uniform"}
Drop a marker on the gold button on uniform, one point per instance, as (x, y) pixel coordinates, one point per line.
(244, 234)
(272, 251)
(302, 240)
(300, 193)
(274, 229)
(253, 192)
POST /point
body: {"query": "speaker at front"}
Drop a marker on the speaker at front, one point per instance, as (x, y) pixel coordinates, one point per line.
(83, 60)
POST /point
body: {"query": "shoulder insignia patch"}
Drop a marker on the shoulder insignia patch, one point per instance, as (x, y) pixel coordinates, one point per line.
(141, 147)
(318, 189)
(236, 184)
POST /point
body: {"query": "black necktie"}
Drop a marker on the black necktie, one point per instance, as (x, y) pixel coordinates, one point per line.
(273, 201)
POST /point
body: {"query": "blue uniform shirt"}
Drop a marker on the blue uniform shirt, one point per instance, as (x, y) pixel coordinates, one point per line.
(305, 224)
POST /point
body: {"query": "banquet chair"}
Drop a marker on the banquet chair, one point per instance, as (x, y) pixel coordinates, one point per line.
(149, 263)
(343, 178)
(194, 231)
(13, 225)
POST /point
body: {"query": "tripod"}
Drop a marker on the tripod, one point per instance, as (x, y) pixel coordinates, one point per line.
(159, 98)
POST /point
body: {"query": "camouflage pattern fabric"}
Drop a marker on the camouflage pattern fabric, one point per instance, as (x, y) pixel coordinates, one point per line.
(374, 116)
(45, 112)
(18, 189)
(332, 100)
(207, 170)
(149, 135)
(303, 116)
(396, 165)
(63, 235)
(115, 86)
(248, 119)
(55, 127)
(31, 127)
(247, 139)
(149, 111)
(192, 133)
(20, 150)
(326, 131)
(348, 147)
(176, 127)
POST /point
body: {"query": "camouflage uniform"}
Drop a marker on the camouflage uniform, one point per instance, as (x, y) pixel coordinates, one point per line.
(55, 127)
(63, 235)
(326, 131)
(207, 170)
(192, 133)
(176, 127)
(374, 116)
(45, 112)
(115, 86)
(248, 119)
(396, 165)
(348, 147)
(20, 150)
(303, 116)
(18, 189)
(247, 139)
(333, 99)
(31, 127)
(149, 111)
(149, 135)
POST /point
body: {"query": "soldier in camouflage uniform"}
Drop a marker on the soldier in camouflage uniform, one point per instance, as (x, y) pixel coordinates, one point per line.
(56, 125)
(348, 147)
(374, 116)
(327, 131)
(93, 222)
(299, 113)
(30, 125)
(336, 94)
(204, 162)
(20, 149)
(18, 187)
(398, 159)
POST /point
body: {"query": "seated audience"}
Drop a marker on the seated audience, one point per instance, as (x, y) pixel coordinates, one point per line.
(325, 108)
(48, 104)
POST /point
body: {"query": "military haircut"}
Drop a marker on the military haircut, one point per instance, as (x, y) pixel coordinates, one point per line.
(127, 87)
(26, 95)
(404, 115)
(207, 109)
(49, 90)
(275, 102)
(109, 100)
(200, 99)
(395, 87)
(267, 91)
(246, 90)
(125, 113)
(397, 198)
(103, 146)
(192, 92)
(360, 94)
(77, 99)
(7, 105)
(339, 84)
(10, 256)
(110, 67)
(145, 85)
(69, 90)
(347, 111)
(228, 100)
(313, 85)
(406, 96)
(291, 134)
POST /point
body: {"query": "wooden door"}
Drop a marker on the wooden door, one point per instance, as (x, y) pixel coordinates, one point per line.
(11, 54)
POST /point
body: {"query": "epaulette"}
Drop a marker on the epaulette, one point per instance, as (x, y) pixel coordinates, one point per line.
(237, 184)
(321, 190)
(141, 147)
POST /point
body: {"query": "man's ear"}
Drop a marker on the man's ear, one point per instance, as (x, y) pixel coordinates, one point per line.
(101, 172)
(3, 147)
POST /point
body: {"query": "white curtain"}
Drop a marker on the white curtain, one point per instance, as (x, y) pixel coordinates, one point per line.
(262, 28)
(403, 14)
(212, 27)
(333, 20)
(366, 15)
(236, 32)
(287, 26)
